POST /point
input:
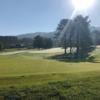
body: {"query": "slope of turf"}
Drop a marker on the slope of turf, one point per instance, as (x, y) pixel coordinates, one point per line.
(31, 76)
(30, 64)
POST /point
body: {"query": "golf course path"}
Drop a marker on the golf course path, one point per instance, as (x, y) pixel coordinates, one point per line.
(54, 50)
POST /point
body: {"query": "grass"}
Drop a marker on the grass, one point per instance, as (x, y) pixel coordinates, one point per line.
(31, 76)
(28, 64)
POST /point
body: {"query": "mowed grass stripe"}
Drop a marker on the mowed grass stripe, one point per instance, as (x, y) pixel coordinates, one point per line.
(24, 64)
(27, 69)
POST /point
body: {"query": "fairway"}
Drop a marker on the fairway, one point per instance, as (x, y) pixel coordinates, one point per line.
(22, 69)
(31, 63)
(25, 63)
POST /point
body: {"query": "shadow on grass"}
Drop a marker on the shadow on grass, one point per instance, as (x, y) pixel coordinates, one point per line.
(73, 58)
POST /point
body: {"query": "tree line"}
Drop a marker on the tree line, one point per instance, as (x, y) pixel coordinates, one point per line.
(38, 42)
(70, 33)
(42, 42)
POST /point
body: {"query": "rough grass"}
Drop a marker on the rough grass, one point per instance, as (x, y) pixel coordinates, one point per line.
(31, 76)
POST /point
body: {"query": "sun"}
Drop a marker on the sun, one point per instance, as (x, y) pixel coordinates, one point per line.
(82, 4)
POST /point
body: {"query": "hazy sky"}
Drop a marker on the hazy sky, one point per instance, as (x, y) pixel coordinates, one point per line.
(25, 16)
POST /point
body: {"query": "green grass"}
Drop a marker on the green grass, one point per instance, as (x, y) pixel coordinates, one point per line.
(25, 73)
(30, 64)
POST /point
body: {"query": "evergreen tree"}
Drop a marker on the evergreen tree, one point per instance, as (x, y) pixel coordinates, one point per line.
(42, 42)
(76, 34)
(37, 42)
(1, 46)
(82, 34)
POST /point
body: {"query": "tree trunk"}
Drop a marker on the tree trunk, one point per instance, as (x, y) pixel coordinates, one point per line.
(65, 51)
(77, 52)
(65, 46)
(78, 47)
(70, 47)
(70, 42)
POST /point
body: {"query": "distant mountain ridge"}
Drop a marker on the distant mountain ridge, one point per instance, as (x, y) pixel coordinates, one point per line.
(32, 35)
(48, 34)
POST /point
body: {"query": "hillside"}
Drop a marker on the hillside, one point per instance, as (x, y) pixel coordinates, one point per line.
(32, 35)
(32, 74)
(50, 34)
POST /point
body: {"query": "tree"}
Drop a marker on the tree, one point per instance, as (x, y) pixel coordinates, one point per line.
(62, 38)
(1, 46)
(76, 34)
(82, 34)
(96, 37)
(26, 42)
(47, 43)
(9, 41)
(62, 24)
(38, 42)
(42, 42)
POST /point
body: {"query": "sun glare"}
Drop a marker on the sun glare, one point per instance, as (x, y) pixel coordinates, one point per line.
(82, 4)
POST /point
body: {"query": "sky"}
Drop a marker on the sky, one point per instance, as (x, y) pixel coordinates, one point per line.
(28, 16)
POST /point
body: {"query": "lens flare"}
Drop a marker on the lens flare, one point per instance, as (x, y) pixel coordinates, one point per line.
(82, 4)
